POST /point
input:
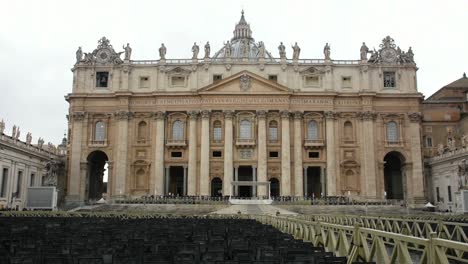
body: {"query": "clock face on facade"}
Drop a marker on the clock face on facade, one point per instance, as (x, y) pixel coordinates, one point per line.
(103, 55)
(388, 55)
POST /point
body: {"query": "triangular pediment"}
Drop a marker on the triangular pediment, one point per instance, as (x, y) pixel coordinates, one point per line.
(245, 82)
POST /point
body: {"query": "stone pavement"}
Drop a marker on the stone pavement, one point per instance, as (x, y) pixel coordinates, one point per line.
(254, 209)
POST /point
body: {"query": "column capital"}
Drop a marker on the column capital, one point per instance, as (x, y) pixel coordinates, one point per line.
(159, 115)
(415, 117)
(298, 114)
(123, 115)
(193, 114)
(367, 115)
(205, 113)
(228, 114)
(284, 114)
(78, 116)
(261, 114)
(330, 115)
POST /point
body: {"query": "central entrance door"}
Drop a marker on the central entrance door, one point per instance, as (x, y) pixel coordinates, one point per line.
(245, 174)
(314, 186)
(176, 180)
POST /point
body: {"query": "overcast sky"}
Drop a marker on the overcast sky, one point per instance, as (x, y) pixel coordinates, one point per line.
(38, 40)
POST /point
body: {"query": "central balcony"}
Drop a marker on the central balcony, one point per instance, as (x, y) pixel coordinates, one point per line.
(313, 143)
(176, 143)
(245, 142)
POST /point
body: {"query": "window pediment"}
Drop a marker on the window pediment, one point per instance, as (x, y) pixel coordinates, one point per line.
(178, 71)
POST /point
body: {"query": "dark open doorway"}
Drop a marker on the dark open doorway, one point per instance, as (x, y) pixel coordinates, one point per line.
(314, 185)
(176, 180)
(245, 174)
(393, 175)
(95, 185)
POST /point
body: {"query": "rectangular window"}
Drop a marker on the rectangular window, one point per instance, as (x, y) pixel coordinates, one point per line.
(32, 179)
(437, 194)
(449, 191)
(273, 78)
(3, 188)
(217, 78)
(273, 131)
(346, 81)
(429, 142)
(176, 154)
(312, 81)
(19, 180)
(217, 133)
(313, 154)
(144, 82)
(274, 154)
(178, 81)
(102, 79)
(217, 154)
(389, 80)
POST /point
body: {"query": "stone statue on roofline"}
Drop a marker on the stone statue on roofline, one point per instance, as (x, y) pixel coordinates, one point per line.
(207, 50)
(13, 131)
(162, 52)
(18, 133)
(227, 49)
(364, 51)
(282, 51)
(128, 51)
(326, 51)
(296, 51)
(440, 149)
(2, 127)
(195, 50)
(261, 49)
(29, 138)
(79, 55)
(462, 177)
(40, 142)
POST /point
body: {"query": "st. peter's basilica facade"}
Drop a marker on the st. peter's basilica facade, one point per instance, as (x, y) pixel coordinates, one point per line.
(242, 122)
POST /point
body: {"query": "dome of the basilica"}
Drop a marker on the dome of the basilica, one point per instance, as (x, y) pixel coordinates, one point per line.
(242, 44)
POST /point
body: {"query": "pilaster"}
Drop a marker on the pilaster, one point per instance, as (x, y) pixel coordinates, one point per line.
(205, 153)
(368, 161)
(73, 194)
(228, 159)
(121, 146)
(262, 151)
(298, 176)
(158, 157)
(192, 155)
(331, 153)
(416, 189)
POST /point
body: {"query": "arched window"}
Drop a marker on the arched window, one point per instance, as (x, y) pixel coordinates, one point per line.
(140, 179)
(100, 131)
(348, 130)
(142, 130)
(178, 130)
(273, 130)
(312, 130)
(245, 129)
(392, 132)
(217, 131)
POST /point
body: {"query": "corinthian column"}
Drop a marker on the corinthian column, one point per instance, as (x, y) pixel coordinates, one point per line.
(285, 155)
(205, 153)
(415, 184)
(331, 153)
(73, 195)
(158, 157)
(298, 177)
(228, 166)
(192, 155)
(121, 153)
(262, 155)
(368, 160)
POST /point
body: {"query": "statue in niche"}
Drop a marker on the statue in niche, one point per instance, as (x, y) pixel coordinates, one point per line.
(128, 51)
(2, 127)
(162, 52)
(364, 51)
(326, 51)
(79, 55)
(296, 51)
(195, 50)
(28, 138)
(282, 51)
(207, 50)
(261, 49)
(227, 49)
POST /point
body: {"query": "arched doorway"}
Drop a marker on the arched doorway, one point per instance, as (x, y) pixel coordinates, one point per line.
(274, 187)
(393, 175)
(96, 183)
(216, 187)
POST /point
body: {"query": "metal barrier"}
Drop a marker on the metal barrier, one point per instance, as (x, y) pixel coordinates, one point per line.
(366, 244)
(411, 226)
